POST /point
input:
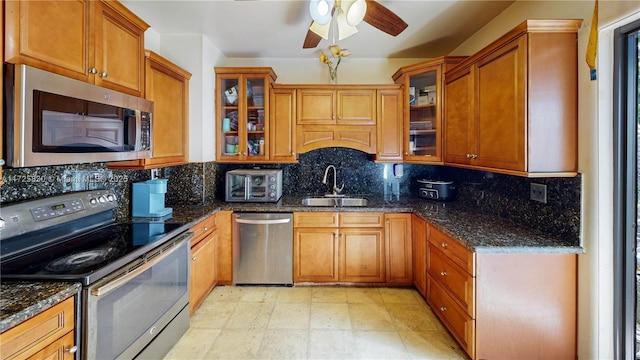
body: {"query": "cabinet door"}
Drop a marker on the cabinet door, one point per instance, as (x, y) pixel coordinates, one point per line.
(459, 120)
(224, 248)
(361, 255)
(58, 350)
(424, 142)
(316, 107)
(50, 35)
(203, 271)
(419, 235)
(389, 112)
(315, 255)
(119, 48)
(356, 107)
(397, 236)
(501, 84)
(282, 125)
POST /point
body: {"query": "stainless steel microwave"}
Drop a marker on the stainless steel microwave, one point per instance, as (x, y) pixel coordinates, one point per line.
(253, 185)
(54, 120)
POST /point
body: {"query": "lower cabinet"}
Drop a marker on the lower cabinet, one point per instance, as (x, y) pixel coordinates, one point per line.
(352, 247)
(224, 256)
(203, 265)
(503, 305)
(48, 335)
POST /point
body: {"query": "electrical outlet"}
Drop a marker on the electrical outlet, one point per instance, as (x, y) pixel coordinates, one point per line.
(539, 192)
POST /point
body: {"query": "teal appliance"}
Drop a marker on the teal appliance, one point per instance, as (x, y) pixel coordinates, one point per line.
(148, 199)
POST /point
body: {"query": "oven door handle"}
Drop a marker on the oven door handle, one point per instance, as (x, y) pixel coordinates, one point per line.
(262, 222)
(109, 287)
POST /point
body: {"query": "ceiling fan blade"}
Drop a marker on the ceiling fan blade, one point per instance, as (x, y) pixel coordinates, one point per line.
(384, 19)
(311, 40)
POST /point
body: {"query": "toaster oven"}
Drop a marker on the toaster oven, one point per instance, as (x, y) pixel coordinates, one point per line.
(254, 185)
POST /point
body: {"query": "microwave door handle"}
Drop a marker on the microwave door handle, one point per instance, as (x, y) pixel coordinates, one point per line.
(247, 187)
(109, 287)
(138, 146)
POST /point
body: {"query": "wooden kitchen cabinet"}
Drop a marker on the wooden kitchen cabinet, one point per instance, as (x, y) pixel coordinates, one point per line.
(419, 252)
(203, 261)
(99, 42)
(224, 248)
(398, 245)
(242, 96)
(339, 247)
(422, 108)
(512, 107)
(47, 335)
(167, 85)
(330, 116)
(498, 305)
(389, 127)
(282, 125)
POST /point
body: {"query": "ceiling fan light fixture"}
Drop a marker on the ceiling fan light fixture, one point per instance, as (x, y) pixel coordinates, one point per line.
(355, 10)
(344, 29)
(321, 10)
(321, 30)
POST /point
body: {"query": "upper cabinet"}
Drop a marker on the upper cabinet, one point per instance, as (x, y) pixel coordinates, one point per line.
(242, 98)
(512, 107)
(99, 42)
(167, 85)
(282, 125)
(423, 84)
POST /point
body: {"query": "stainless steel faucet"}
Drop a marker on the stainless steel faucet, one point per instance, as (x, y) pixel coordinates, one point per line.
(336, 190)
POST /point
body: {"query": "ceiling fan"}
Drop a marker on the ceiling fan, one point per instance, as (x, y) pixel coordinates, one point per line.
(348, 14)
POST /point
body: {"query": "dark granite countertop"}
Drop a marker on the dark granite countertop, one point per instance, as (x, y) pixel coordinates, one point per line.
(476, 231)
(21, 300)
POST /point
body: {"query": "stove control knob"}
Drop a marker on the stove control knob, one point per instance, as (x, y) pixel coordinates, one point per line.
(111, 198)
(102, 199)
(2, 223)
(93, 201)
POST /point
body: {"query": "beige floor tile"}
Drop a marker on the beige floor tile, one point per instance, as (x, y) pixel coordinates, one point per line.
(332, 344)
(358, 295)
(400, 296)
(284, 344)
(380, 345)
(297, 294)
(429, 345)
(248, 315)
(411, 317)
(328, 295)
(193, 345)
(236, 344)
(259, 294)
(290, 316)
(225, 293)
(370, 317)
(212, 315)
(330, 316)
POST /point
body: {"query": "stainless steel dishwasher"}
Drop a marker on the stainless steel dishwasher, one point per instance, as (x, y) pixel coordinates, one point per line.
(263, 248)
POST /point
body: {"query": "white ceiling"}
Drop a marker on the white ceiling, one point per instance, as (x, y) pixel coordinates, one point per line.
(277, 28)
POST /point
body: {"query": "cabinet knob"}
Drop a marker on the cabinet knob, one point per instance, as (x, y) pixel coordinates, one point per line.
(468, 156)
(333, 117)
(442, 308)
(1, 162)
(194, 258)
(205, 228)
(444, 244)
(103, 74)
(443, 273)
(71, 350)
(339, 117)
(474, 156)
(93, 71)
(406, 153)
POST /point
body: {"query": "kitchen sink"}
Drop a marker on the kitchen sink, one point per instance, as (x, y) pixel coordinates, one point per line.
(334, 201)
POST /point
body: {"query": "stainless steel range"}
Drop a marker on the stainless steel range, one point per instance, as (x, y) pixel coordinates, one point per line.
(135, 276)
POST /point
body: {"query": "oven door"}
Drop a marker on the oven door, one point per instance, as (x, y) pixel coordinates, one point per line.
(128, 309)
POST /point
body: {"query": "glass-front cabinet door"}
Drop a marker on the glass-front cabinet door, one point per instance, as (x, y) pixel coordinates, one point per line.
(242, 103)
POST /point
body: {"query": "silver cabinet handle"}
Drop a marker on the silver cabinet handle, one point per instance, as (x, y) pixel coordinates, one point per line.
(205, 228)
(71, 350)
(93, 71)
(442, 308)
(103, 74)
(443, 273)
(444, 244)
(263, 222)
(193, 258)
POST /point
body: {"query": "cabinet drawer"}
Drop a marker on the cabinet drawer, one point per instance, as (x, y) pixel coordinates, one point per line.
(203, 228)
(33, 335)
(456, 252)
(459, 323)
(58, 349)
(315, 219)
(361, 220)
(453, 278)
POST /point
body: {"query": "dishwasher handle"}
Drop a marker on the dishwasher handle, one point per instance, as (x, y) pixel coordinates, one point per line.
(262, 222)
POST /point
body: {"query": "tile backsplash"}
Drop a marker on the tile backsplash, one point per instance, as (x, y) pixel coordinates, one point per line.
(201, 183)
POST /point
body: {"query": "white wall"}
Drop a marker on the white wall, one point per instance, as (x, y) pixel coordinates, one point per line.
(595, 283)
